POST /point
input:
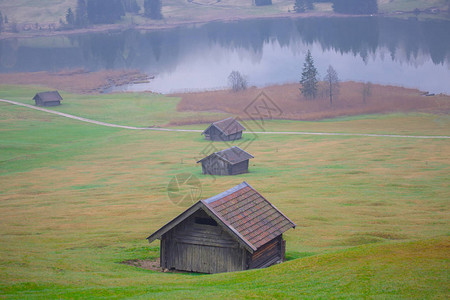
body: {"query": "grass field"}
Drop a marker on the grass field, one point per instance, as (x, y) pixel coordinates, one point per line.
(77, 199)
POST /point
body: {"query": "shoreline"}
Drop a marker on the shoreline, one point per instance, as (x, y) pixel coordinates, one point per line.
(165, 24)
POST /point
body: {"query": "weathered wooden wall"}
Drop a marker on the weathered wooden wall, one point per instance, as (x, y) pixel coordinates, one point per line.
(39, 102)
(239, 168)
(234, 136)
(268, 254)
(214, 134)
(215, 166)
(205, 248)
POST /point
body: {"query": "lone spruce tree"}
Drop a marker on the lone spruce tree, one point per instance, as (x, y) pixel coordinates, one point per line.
(309, 78)
(70, 18)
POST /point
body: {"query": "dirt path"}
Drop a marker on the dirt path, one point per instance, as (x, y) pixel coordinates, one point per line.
(199, 131)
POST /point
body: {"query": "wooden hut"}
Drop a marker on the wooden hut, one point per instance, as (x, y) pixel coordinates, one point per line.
(232, 231)
(231, 161)
(224, 130)
(52, 98)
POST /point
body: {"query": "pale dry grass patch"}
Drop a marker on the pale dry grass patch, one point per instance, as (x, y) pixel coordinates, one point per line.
(293, 106)
(77, 81)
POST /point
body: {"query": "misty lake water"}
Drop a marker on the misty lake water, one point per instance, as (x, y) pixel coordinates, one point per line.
(267, 51)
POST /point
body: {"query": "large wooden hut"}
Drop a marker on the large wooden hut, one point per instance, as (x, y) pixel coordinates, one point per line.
(52, 98)
(224, 130)
(232, 231)
(231, 161)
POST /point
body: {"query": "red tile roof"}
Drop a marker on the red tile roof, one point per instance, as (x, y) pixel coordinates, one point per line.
(244, 212)
(247, 212)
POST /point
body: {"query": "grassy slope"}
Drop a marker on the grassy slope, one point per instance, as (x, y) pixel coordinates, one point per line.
(411, 270)
(76, 199)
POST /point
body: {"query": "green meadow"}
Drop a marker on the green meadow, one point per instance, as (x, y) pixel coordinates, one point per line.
(77, 199)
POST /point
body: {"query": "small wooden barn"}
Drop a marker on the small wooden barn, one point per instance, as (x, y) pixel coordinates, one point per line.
(232, 231)
(52, 98)
(231, 161)
(224, 130)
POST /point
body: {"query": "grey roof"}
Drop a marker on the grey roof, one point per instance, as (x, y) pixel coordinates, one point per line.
(48, 96)
(243, 212)
(227, 126)
(233, 155)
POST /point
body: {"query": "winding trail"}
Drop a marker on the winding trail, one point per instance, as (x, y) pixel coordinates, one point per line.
(199, 131)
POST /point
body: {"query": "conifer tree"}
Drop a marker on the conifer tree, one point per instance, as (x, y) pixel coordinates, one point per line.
(70, 17)
(309, 77)
(1, 22)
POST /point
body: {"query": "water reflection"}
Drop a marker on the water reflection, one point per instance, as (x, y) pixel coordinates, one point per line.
(390, 51)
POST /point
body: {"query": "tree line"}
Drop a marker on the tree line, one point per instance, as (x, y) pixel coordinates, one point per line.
(357, 7)
(3, 21)
(109, 11)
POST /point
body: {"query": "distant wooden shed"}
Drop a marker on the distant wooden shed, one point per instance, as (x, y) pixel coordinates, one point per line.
(224, 130)
(231, 161)
(232, 231)
(52, 98)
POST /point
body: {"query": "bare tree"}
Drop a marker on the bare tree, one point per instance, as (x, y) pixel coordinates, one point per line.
(332, 81)
(366, 91)
(237, 81)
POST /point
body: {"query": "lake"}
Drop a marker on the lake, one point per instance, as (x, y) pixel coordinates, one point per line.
(267, 51)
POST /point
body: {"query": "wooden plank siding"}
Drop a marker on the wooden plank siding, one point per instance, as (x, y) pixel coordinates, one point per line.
(239, 168)
(215, 166)
(52, 98)
(268, 254)
(213, 134)
(231, 161)
(204, 248)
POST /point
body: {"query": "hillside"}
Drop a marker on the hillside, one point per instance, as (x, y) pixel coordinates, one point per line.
(78, 199)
